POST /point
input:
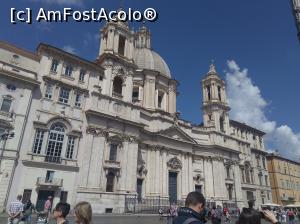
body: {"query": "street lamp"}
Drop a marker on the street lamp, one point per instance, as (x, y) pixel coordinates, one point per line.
(231, 163)
(296, 12)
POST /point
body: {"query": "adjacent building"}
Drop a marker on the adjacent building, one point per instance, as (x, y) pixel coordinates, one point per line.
(296, 13)
(284, 179)
(18, 81)
(108, 132)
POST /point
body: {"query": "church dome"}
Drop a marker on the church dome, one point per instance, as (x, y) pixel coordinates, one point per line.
(146, 58)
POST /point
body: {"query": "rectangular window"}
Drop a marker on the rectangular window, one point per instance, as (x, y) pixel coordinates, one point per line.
(49, 176)
(121, 48)
(264, 162)
(49, 91)
(81, 75)
(69, 70)
(135, 94)
(113, 152)
(219, 93)
(64, 95)
(38, 141)
(260, 179)
(78, 99)
(70, 147)
(54, 65)
(266, 180)
(6, 104)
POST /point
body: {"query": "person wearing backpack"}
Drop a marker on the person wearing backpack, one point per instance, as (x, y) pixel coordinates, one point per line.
(194, 211)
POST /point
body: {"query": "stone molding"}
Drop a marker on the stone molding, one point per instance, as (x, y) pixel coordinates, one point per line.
(174, 163)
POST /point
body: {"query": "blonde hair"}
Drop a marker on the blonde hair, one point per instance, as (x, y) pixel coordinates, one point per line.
(83, 211)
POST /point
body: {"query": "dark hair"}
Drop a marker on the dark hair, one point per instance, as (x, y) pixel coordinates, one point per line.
(194, 198)
(19, 197)
(249, 216)
(63, 207)
(251, 203)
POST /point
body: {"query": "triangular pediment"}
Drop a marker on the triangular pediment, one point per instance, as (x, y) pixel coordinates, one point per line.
(177, 133)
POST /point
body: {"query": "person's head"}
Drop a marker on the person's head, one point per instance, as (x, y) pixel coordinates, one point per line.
(83, 213)
(251, 203)
(61, 210)
(196, 201)
(19, 197)
(49, 197)
(249, 216)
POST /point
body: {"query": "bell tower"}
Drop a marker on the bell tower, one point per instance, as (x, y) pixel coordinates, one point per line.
(215, 106)
(116, 38)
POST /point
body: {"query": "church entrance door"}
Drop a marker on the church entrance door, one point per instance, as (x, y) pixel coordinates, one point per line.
(172, 187)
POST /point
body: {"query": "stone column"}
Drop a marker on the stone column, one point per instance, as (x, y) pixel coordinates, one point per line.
(157, 172)
(128, 89)
(209, 181)
(149, 92)
(123, 158)
(132, 163)
(110, 39)
(96, 162)
(191, 174)
(164, 174)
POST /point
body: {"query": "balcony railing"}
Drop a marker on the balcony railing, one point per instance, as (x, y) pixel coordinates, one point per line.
(112, 164)
(53, 182)
(53, 159)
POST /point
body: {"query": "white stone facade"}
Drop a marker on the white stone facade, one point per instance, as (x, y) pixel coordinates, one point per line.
(108, 130)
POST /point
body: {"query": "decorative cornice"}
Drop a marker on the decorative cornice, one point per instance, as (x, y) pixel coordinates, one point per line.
(174, 163)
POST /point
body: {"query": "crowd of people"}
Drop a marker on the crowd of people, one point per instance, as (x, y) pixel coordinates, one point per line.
(19, 213)
(194, 212)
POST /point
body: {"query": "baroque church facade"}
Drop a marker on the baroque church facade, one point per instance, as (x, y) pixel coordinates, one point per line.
(108, 131)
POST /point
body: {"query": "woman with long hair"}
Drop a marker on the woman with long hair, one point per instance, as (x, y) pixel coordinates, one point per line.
(83, 213)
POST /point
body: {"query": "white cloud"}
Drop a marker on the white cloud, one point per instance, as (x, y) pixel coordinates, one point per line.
(43, 26)
(248, 106)
(90, 38)
(70, 49)
(61, 2)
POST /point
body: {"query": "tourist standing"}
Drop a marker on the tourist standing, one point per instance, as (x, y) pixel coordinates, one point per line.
(28, 208)
(83, 213)
(194, 210)
(60, 212)
(15, 210)
(48, 207)
(291, 216)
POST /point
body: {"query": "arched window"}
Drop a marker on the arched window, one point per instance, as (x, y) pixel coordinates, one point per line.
(208, 92)
(248, 173)
(219, 93)
(55, 143)
(110, 178)
(117, 85)
(222, 124)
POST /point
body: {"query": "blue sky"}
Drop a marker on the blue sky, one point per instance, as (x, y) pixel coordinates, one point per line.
(257, 35)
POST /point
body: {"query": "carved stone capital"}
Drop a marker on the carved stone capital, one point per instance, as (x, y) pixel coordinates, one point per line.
(97, 131)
